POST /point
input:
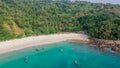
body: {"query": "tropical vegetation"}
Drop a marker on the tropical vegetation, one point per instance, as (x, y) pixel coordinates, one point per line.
(20, 18)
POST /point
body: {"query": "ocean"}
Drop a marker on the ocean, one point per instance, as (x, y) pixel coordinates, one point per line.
(61, 55)
(101, 1)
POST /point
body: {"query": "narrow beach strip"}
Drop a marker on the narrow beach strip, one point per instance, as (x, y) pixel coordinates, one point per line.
(17, 44)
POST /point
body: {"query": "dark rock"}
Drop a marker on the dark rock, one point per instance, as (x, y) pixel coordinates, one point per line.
(114, 45)
(116, 49)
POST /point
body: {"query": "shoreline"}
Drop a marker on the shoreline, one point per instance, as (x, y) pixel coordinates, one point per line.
(114, 45)
(18, 44)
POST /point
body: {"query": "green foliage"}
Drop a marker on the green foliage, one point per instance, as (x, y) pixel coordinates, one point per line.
(118, 33)
(19, 36)
(36, 17)
(28, 32)
(5, 34)
(107, 28)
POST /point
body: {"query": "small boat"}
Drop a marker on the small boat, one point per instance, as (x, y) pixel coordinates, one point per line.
(61, 50)
(36, 49)
(25, 59)
(75, 62)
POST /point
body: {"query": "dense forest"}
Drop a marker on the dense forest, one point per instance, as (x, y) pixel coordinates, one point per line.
(20, 18)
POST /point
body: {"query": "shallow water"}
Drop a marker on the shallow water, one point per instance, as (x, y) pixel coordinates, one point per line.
(60, 55)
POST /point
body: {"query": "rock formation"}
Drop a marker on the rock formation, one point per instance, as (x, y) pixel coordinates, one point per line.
(112, 44)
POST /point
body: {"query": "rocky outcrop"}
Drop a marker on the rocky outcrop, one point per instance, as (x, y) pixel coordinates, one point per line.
(113, 44)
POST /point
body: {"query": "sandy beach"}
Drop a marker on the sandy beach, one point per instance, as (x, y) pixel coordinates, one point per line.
(17, 44)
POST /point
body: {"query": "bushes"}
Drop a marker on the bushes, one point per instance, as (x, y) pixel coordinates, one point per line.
(5, 34)
(108, 29)
(36, 17)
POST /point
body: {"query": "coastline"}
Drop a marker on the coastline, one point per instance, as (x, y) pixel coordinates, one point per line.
(114, 45)
(17, 44)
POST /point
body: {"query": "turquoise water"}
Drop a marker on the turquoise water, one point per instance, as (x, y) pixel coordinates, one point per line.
(61, 55)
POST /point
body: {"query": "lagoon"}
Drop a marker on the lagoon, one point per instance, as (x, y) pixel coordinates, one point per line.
(61, 55)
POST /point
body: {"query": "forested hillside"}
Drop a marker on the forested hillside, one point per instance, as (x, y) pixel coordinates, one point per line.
(20, 18)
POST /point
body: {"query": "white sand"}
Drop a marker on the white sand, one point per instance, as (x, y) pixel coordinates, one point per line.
(16, 44)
